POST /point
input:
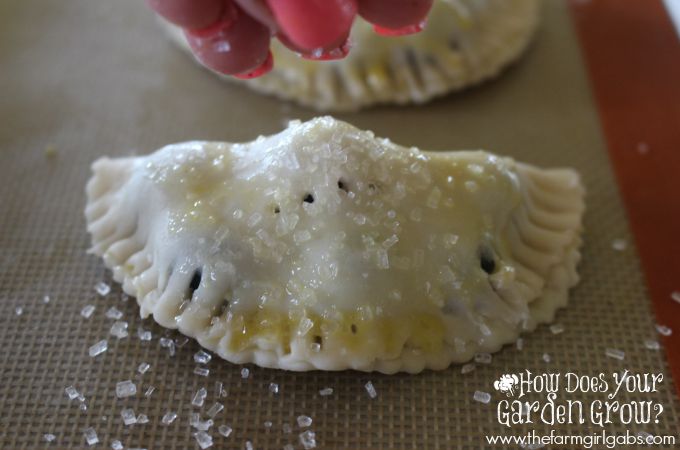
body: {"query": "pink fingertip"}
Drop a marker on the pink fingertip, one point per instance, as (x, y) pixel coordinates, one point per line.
(329, 55)
(229, 15)
(264, 68)
(189, 14)
(404, 31)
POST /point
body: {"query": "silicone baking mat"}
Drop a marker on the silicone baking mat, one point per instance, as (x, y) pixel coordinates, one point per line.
(82, 79)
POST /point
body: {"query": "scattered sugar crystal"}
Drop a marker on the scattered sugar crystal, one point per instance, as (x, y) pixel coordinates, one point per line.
(647, 437)
(301, 236)
(619, 245)
(359, 219)
(219, 390)
(204, 439)
(546, 357)
(215, 409)
(168, 418)
(615, 353)
(471, 186)
(370, 389)
(249, 445)
(245, 372)
(383, 261)
(202, 371)
(87, 311)
(467, 368)
(325, 392)
(675, 296)
(128, 416)
(71, 392)
(304, 421)
(308, 439)
(143, 335)
(651, 344)
(273, 388)
(91, 436)
(224, 430)
(486, 331)
(267, 424)
(46, 299)
(125, 389)
(149, 391)
(102, 288)
(287, 429)
(199, 397)
(434, 198)
(556, 328)
(390, 241)
(449, 240)
(202, 357)
(196, 422)
(49, 437)
(482, 397)
(663, 330)
(306, 324)
(181, 341)
(254, 219)
(315, 346)
(142, 418)
(483, 358)
(83, 407)
(143, 367)
(169, 344)
(519, 343)
(113, 313)
(98, 348)
(194, 418)
(119, 329)
(117, 445)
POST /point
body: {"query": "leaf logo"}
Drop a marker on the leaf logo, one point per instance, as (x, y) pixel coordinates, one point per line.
(506, 383)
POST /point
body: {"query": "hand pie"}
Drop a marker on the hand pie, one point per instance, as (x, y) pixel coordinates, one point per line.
(324, 247)
(464, 42)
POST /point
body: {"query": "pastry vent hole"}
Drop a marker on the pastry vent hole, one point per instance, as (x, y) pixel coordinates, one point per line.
(318, 342)
(342, 185)
(353, 329)
(222, 309)
(309, 198)
(277, 209)
(487, 262)
(194, 283)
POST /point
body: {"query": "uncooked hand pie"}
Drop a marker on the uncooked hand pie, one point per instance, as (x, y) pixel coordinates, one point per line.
(324, 247)
(464, 42)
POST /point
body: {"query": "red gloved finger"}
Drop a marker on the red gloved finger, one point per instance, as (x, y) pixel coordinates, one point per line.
(258, 10)
(314, 24)
(238, 44)
(191, 14)
(395, 17)
(319, 54)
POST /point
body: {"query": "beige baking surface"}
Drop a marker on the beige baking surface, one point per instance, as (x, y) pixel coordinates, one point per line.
(95, 78)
